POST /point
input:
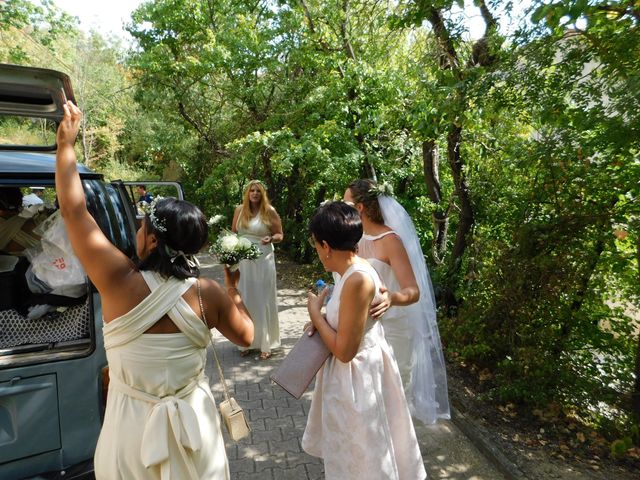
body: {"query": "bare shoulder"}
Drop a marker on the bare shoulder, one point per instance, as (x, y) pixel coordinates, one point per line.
(272, 211)
(393, 241)
(358, 281)
(214, 299)
(210, 287)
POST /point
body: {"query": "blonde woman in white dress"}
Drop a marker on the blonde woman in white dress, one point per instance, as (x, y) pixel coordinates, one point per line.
(407, 310)
(160, 420)
(258, 221)
(359, 422)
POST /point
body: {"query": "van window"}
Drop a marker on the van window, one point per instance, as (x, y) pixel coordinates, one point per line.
(26, 131)
(107, 207)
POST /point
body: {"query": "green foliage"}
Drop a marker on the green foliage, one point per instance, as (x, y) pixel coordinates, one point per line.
(22, 21)
(554, 270)
(309, 95)
(307, 98)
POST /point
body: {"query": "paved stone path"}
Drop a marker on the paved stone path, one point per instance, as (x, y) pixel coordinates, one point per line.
(273, 451)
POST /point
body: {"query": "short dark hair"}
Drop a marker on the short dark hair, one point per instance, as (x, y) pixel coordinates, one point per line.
(338, 224)
(10, 198)
(364, 192)
(142, 186)
(186, 229)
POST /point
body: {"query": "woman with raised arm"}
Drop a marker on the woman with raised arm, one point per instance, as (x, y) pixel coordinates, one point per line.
(258, 221)
(359, 422)
(390, 243)
(160, 420)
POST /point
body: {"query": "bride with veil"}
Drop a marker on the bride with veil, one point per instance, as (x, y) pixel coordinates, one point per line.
(390, 243)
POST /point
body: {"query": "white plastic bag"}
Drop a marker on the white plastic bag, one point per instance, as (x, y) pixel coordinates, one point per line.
(55, 264)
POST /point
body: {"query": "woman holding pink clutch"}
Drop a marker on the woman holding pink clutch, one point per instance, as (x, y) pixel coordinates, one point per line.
(359, 422)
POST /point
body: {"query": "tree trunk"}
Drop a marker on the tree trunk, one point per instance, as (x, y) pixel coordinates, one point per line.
(85, 143)
(368, 170)
(268, 172)
(449, 60)
(580, 295)
(292, 209)
(431, 168)
(635, 396)
(466, 217)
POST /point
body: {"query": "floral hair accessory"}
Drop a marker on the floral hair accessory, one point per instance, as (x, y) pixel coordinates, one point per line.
(253, 182)
(189, 259)
(150, 209)
(383, 188)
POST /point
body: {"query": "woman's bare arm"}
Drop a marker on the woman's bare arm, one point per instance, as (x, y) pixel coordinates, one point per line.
(103, 262)
(236, 215)
(277, 235)
(356, 296)
(232, 318)
(401, 265)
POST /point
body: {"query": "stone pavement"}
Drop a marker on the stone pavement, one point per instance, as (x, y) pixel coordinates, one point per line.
(273, 451)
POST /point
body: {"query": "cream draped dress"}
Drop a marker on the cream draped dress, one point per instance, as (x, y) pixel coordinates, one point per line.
(161, 420)
(359, 422)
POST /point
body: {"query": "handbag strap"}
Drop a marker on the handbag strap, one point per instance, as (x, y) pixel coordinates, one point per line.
(213, 348)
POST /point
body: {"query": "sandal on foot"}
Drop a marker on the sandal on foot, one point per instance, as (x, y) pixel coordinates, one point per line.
(244, 353)
(263, 356)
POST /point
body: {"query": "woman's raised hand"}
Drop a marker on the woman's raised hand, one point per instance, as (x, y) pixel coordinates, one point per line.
(70, 124)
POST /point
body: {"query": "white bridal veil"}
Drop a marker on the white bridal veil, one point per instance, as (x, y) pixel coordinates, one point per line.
(427, 392)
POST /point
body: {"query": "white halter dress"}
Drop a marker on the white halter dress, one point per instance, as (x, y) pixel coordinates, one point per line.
(161, 421)
(395, 320)
(258, 288)
(412, 332)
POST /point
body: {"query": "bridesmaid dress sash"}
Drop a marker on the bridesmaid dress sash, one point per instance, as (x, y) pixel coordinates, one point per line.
(170, 417)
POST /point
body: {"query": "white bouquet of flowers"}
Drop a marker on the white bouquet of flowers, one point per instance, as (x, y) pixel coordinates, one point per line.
(230, 249)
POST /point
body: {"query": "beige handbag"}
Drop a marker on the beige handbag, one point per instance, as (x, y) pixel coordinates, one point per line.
(232, 414)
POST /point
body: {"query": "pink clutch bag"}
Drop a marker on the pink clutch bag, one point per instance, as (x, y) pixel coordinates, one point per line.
(295, 372)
